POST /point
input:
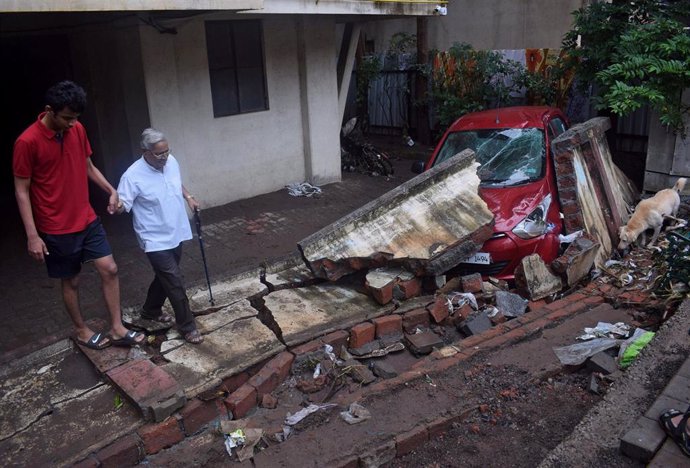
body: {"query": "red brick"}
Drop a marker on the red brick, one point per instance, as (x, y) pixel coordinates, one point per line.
(490, 333)
(472, 341)
(439, 427)
(361, 334)
(241, 401)
(196, 414)
(411, 288)
(156, 437)
(464, 311)
(88, 462)
(125, 451)
(575, 297)
(281, 364)
(388, 325)
(536, 305)
(410, 440)
(306, 348)
(414, 319)
(382, 295)
(472, 283)
(592, 300)
(265, 381)
(538, 324)
(337, 339)
(439, 309)
(234, 382)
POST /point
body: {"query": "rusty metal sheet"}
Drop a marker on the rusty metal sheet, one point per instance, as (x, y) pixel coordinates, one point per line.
(429, 224)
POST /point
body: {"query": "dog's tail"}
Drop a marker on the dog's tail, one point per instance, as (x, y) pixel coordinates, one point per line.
(680, 184)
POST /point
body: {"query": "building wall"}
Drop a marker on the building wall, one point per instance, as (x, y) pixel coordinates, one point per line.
(488, 24)
(229, 158)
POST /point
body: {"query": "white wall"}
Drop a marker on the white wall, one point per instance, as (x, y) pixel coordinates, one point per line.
(234, 157)
(488, 24)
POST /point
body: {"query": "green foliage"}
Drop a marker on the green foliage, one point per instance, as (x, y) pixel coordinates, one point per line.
(637, 53)
(467, 80)
(368, 70)
(402, 43)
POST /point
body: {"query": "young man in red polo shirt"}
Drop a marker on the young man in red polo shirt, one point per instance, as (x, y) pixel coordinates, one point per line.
(52, 166)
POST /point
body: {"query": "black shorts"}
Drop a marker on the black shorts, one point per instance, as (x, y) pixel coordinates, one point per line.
(67, 252)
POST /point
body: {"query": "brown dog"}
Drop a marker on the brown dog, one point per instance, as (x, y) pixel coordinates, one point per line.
(650, 214)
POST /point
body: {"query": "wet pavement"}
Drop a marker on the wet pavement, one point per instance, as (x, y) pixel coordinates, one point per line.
(238, 236)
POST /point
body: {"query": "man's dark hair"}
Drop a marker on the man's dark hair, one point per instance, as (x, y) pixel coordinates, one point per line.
(66, 94)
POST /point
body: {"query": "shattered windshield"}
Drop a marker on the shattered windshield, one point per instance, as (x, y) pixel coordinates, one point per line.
(507, 156)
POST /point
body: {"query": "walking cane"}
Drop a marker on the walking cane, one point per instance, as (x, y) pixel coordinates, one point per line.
(197, 221)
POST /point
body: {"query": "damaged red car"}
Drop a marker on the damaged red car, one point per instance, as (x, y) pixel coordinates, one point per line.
(518, 182)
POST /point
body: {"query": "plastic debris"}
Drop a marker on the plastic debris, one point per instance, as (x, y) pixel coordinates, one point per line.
(292, 419)
(304, 189)
(44, 369)
(355, 414)
(606, 330)
(317, 371)
(632, 347)
(458, 299)
(578, 353)
(570, 237)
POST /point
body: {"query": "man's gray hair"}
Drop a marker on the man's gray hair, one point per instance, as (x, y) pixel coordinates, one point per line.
(150, 137)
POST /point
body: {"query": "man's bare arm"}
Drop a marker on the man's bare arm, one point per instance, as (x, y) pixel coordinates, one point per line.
(37, 248)
(97, 177)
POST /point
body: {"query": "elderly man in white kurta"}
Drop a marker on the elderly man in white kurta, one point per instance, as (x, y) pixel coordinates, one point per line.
(152, 190)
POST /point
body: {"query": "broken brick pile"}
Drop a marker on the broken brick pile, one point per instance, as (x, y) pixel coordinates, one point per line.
(238, 395)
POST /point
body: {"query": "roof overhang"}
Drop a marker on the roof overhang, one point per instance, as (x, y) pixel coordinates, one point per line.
(54, 6)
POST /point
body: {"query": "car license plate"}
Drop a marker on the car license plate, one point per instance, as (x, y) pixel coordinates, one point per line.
(480, 258)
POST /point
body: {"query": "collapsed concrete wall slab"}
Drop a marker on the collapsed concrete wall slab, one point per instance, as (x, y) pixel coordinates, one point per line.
(428, 224)
(594, 193)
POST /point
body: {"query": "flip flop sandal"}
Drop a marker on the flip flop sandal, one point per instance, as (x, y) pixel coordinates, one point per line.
(194, 337)
(678, 433)
(97, 341)
(130, 339)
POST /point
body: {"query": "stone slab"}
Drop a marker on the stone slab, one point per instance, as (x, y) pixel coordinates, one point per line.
(132, 316)
(423, 343)
(155, 392)
(669, 456)
(678, 388)
(429, 224)
(224, 352)
(227, 292)
(533, 277)
(215, 320)
(510, 304)
(642, 440)
(316, 310)
(106, 359)
(294, 276)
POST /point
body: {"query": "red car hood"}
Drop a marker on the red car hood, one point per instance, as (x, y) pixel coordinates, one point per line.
(510, 205)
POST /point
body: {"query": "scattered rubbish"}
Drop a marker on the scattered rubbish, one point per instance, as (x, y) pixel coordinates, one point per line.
(317, 370)
(118, 401)
(625, 279)
(304, 189)
(459, 299)
(328, 352)
(610, 263)
(606, 330)
(44, 369)
(570, 237)
(292, 419)
(578, 353)
(632, 347)
(242, 439)
(355, 414)
(428, 380)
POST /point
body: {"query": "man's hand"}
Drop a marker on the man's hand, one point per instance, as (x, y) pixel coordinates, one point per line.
(193, 204)
(114, 203)
(37, 248)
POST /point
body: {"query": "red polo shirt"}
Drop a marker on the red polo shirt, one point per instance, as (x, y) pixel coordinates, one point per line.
(59, 181)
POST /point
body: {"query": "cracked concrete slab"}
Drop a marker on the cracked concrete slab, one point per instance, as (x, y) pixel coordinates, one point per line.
(47, 394)
(224, 352)
(305, 313)
(429, 224)
(210, 322)
(226, 292)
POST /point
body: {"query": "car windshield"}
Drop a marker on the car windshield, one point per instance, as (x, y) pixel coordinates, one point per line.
(507, 156)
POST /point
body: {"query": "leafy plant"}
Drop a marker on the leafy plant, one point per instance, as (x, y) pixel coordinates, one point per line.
(636, 52)
(368, 69)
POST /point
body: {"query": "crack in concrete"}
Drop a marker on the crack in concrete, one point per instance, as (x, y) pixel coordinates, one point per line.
(50, 410)
(266, 317)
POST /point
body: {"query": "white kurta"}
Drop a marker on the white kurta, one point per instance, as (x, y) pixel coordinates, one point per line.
(157, 203)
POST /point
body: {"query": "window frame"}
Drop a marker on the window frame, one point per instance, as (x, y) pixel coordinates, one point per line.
(235, 87)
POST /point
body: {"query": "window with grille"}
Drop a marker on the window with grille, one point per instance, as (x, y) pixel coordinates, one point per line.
(236, 66)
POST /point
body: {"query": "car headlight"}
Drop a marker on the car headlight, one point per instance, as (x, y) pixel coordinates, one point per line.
(535, 224)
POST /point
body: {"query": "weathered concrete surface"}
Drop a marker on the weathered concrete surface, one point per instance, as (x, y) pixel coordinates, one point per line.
(211, 322)
(533, 276)
(594, 193)
(227, 292)
(224, 352)
(305, 313)
(429, 224)
(66, 394)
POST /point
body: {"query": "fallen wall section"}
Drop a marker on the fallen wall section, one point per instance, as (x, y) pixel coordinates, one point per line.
(429, 224)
